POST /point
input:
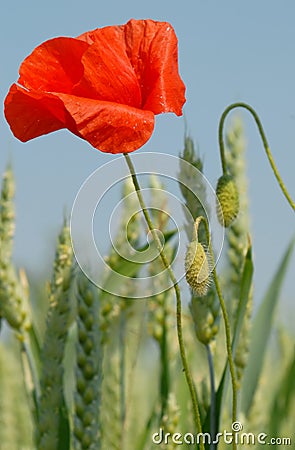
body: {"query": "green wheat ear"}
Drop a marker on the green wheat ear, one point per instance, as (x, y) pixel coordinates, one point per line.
(237, 237)
(111, 400)
(116, 312)
(170, 420)
(58, 322)
(7, 214)
(16, 428)
(204, 309)
(88, 368)
(111, 305)
(160, 306)
(238, 232)
(205, 314)
(14, 306)
(192, 187)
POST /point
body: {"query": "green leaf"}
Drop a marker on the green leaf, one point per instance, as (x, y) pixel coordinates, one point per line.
(282, 400)
(246, 283)
(146, 433)
(260, 333)
(35, 347)
(64, 428)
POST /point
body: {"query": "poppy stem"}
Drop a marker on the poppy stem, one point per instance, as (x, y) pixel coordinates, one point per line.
(264, 141)
(227, 329)
(167, 265)
(229, 352)
(213, 430)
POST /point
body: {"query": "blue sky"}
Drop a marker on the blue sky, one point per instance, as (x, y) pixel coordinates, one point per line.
(228, 51)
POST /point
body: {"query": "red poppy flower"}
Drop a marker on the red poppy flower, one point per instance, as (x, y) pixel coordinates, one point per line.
(105, 86)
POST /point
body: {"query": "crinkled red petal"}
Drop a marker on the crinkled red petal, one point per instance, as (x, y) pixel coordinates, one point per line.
(104, 86)
(31, 114)
(152, 50)
(108, 74)
(109, 127)
(54, 66)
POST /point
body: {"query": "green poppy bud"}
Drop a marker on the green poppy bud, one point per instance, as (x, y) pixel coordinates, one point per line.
(197, 268)
(228, 197)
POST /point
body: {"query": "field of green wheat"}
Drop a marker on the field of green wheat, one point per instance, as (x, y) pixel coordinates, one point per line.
(82, 368)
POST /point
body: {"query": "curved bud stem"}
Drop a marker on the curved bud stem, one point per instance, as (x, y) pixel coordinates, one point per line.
(226, 325)
(265, 145)
(196, 410)
(196, 226)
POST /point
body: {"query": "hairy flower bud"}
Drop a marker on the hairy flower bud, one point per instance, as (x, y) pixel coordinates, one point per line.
(228, 200)
(197, 268)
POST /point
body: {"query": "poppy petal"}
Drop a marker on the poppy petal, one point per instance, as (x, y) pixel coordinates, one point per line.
(109, 127)
(105, 86)
(32, 114)
(152, 49)
(108, 74)
(54, 66)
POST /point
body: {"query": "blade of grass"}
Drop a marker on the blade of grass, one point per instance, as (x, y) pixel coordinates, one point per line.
(64, 427)
(35, 346)
(260, 333)
(282, 401)
(146, 434)
(246, 282)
